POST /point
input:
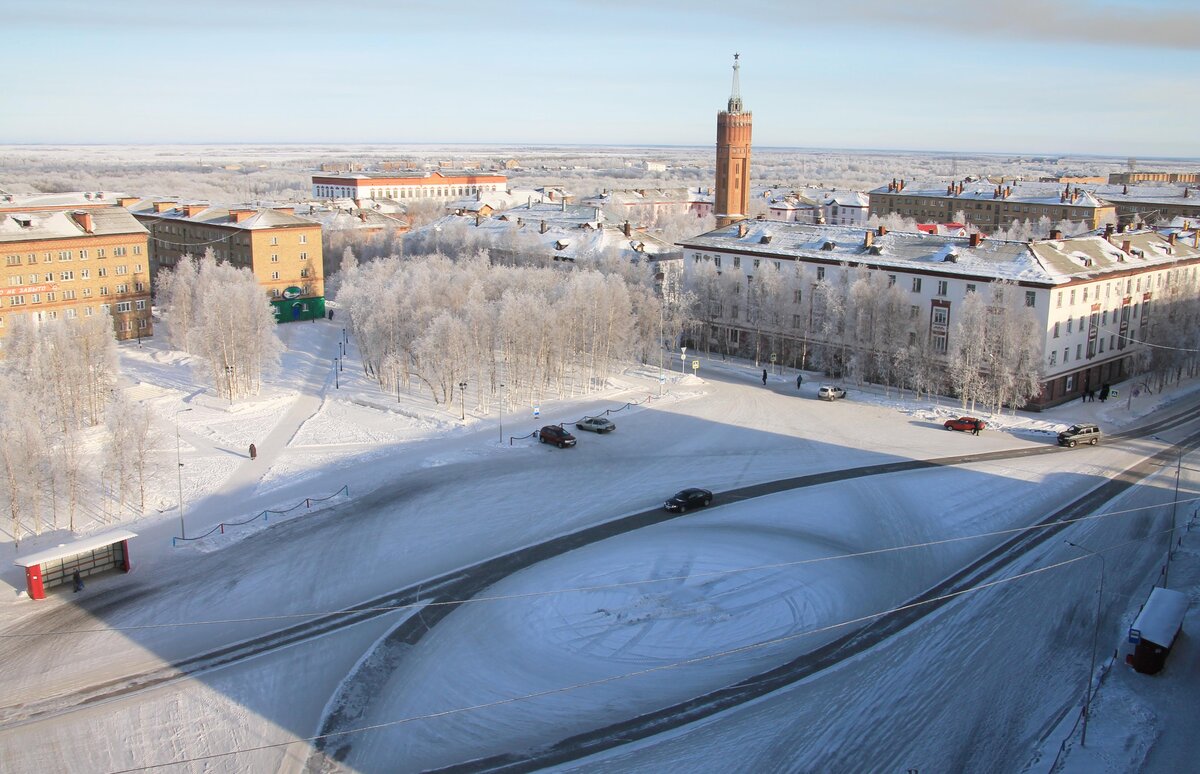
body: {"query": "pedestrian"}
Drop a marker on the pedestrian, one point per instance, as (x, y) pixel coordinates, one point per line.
(77, 579)
(764, 376)
(330, 314)
(1104, 393)
(975, 428)
(799, 380)
(253, 452)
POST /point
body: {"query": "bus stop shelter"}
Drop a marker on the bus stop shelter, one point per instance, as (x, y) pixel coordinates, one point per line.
(1155, 629)
(88, 556)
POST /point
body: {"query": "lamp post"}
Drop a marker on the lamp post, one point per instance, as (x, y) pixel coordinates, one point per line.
(462, 395)
(336, 385)
(501, 413)
(179, 473)
(661, 377)
(229, 382)
(1087, 700)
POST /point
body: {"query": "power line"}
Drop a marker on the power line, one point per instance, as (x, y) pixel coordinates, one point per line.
(863, 619)
(598, 587)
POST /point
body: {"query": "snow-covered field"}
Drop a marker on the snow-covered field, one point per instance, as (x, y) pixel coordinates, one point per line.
(990, 681)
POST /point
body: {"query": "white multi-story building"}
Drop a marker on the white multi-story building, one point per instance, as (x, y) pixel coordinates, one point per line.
(1093, 296)
(402, 186)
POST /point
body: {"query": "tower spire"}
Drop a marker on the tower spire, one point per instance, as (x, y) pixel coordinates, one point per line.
(735, 96)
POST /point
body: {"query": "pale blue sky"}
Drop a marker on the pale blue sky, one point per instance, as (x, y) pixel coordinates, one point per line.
(1028, 76)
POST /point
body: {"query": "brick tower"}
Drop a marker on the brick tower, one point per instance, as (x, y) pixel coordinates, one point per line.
(733, 158)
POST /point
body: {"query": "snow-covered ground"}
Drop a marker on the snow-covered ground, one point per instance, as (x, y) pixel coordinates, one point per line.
(990, 681)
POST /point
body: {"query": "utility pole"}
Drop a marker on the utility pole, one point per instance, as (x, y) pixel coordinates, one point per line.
(1087, 699)
(179, 473)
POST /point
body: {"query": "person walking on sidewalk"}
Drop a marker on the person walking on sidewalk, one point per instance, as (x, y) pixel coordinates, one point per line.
(799, 380)
(764, 376)
(77, 579)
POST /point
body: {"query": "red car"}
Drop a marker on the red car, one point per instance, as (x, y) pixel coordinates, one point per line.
(966, 424)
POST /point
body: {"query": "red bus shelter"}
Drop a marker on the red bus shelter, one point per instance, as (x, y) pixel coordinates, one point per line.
(88, 556)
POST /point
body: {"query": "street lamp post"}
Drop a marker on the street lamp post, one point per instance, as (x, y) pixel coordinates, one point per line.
(336, 384)
(501, 413)
(1087, 700)
(462, 394)
(179, 473)
(661, 377)
(229, 382)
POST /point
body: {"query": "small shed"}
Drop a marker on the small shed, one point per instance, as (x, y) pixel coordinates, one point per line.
(88, 556)
(1155, 629)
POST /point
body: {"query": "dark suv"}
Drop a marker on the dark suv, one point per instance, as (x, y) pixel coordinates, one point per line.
(1076, 434)
(556, 435)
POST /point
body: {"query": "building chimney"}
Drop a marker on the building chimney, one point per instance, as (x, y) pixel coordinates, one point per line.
(238, 214)
(1055, 234)
(84, 219)
(542, 229)
(976, 239)
(1171, 239)
(883, 231)
(901, 184)
(286, 209)
(127, 201)
(163, 206)
(627, 229)
(1126, 246)
(478, 219)
(1120, 228)
(192, 210)
(1108, 230)
(742, 229)
(868, 239)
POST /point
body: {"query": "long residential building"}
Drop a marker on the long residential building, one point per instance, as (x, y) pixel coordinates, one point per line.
(1093, 296)
(62, 264)
(402, 186)
(283, 250)
(989, 206)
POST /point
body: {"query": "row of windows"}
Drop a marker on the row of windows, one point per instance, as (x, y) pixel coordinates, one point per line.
(1132, 285)
(405, 192)
(68, 275)
(52, 296)
(67, 255)
(72, 313)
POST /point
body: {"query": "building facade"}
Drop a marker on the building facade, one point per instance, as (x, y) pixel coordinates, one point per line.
(1093, 297)
(406, 187)
(732, 200)
(63, 264)
(990, 207)
(282, 250)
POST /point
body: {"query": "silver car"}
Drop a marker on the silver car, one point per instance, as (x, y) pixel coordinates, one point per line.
(830, 392)
(596, 425)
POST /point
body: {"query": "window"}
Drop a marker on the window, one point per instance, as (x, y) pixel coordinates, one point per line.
(891, 280)
(139, 287)
(99, 252)
(1056, 330)
(820, 273)
(1070, 324)
(796, 321)
(795, 296)
(916, 285)
(304, 256)
(118, 251)
(942, 287)
(274, 275)
(756, 263)
(66, 276)
(1030, 298)
(274, 257)
(1066, 356)
(737, 261)
(64, 255)
(304, 239)
(970, 287)
(733, 312)
(1054, 357)
(68, 295)
(1078, 351)
(1072, 296)
(914, 312)
(102, 272)
(274, 240)
(1085, 295)
(122, 269)
(85, 274)
(123, 288)
(717, 261)
(124, 306)
(137, 249)
(104, 290)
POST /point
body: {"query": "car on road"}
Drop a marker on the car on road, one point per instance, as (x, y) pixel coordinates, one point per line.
(557, 435)
(692, 497)
(596, 425)
(966, 424)
(1077, 434)
(830, 392)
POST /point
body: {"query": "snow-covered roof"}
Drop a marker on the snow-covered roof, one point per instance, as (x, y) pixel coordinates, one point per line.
(1042, 262)
(83, 545)
(262, 218)
(10, 202)
(1160, 617)
(1021, 191)
(62, 224)
(564, 240)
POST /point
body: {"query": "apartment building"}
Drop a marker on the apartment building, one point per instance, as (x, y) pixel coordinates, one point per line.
(403, 186)
(1093, 296)
(283, 250)
(63, 264)
(989, 206)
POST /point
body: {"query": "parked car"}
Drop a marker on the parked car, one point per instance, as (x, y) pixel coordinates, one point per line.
(596, 425)
(966, 424)
(1076, 434)
(692, 497)
(557, 435)
(830, 392)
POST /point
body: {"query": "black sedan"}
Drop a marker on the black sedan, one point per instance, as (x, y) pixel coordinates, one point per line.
(688, 498)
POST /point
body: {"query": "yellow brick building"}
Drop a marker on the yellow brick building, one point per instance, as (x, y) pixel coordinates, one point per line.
(62, 264)
(283, 250)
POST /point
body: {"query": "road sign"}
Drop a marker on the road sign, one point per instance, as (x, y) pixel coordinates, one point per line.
(1113, 394)
(772, 357)
(537, 411)
(695, 364)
